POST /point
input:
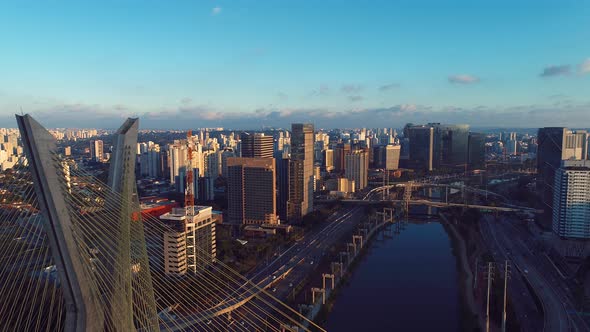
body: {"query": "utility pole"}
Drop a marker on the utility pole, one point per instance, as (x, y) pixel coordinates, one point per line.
(505, 289)
(476, 272)
(490, 275)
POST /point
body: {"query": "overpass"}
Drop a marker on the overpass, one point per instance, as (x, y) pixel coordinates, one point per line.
(372, 197)
(438, 204)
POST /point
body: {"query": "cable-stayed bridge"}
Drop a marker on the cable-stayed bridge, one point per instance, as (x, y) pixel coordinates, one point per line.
(77, 255)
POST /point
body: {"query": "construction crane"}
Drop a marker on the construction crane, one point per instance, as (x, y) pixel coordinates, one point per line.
(189, 195)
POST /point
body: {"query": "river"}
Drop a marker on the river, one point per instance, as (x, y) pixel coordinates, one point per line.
(404, 282)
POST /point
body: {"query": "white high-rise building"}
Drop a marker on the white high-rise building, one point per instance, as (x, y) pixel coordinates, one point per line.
(571, 200)
(357, 166)
(176, 160)
(189, 246)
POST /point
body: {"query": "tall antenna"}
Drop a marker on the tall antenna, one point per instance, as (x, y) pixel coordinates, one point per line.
(189, 196)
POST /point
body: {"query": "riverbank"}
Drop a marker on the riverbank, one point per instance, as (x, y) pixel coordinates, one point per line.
(470, 320)
(472, 256)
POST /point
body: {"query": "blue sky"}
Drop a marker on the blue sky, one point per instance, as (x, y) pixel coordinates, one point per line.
(335, 63)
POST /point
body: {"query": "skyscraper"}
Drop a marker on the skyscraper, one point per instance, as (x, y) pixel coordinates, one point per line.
(340, 151)
(571, 200)
(150, 162)
(257, 145)
(301, 171)
(189, 245)
(387, 156)
(357, 164)
(96, 150)
(329, 160)
(251, 191)
(477, 146)
(421, 147)
(177, 154)
(450, 144)
(554, 145)
(283, 166)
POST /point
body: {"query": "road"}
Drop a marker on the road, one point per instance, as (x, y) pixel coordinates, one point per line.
(508, 240)
(289, 268)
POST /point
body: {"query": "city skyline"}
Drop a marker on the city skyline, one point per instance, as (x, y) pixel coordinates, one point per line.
(266, 64)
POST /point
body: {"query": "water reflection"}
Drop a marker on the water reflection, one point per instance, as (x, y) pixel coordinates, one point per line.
(405, 282)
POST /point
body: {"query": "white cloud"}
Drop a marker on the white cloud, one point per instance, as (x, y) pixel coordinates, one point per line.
(216, 10)
(463, 79)
(351, 88)
(555, 70)
(584, 67)
(388, 87)
(323, 90)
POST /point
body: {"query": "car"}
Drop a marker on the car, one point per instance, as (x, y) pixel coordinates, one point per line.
(291, 284)
(526, 271)
(274, 290)
(274, 277)
(209, 322)
(311, 263)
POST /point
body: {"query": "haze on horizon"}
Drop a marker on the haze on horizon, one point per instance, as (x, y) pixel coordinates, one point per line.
(245, 64)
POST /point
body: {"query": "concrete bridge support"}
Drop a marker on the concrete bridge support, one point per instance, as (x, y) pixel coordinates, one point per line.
(337, 267)
(327, 276)
(318, 290)
(359, 239)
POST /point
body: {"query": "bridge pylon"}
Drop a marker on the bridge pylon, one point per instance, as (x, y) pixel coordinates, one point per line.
(103, 297)
(82, 301)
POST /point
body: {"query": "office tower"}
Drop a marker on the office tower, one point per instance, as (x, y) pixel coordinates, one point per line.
(67, 151)
(256, 145)
(554, 145)
(512, 136)
(177, 154)
(96, 150)
(392, 155)
(340, 151)
(142, 147)
(283, 181)
(511, 145)
(357, 166)
(206, 189)
(149, 162)
(212, 164)
(477, 150)
(225, 154)
(301, 172)
(571, 200)
(189, 246)
(450, 145)
(329, 160)
(318, 151)
(386, 156)
(251, 191)
(421, 146)
(317, 178)
(345, 185)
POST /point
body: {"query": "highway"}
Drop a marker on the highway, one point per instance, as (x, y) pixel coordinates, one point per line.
(286, 271)
(508, 240)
